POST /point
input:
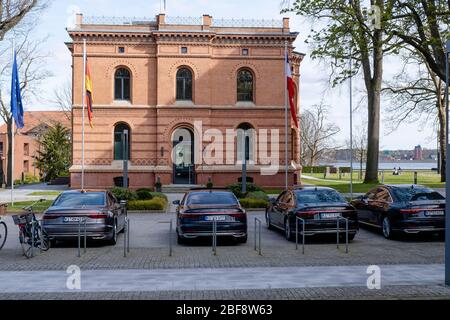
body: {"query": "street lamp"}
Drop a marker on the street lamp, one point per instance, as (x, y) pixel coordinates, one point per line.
(447, 171)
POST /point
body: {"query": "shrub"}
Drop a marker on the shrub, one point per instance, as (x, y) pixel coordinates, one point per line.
(144, 194)
(249, 203)
(237, 189)
(258, 195)
(317, 169)
(29, 179)
(142, 205)
(160, 195)
(124, 194)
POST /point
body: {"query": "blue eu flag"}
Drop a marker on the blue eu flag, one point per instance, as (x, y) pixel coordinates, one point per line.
(16, 97)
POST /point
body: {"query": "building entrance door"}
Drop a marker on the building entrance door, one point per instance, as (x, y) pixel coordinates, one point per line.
(183, 157)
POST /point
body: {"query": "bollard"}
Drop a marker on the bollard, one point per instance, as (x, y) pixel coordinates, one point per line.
(41, 225)
(258, 223)
(85, 235)
(170, 238)
(214, 239)
(79, 238)
(125, 240)
(382, 177)
(260, 229)
(128, 234)
(337, 232)
(415, 177)
(303, 234)
(346, 235)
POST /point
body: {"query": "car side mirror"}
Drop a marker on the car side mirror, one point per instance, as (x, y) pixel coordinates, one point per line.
(177, 202)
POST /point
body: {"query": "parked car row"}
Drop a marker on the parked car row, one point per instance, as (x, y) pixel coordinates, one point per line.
(320, 210)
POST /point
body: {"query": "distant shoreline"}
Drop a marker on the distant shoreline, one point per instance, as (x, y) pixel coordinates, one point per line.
(388, 165)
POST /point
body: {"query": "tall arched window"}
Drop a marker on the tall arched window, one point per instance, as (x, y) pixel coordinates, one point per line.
(119, 152)
(184, 84)
(245, 85)
(122, 87)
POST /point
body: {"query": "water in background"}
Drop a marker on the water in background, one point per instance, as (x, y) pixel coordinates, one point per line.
(388, 165)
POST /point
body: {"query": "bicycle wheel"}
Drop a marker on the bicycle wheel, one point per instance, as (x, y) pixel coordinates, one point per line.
(25, 242)
(43, 241)
(3, 234)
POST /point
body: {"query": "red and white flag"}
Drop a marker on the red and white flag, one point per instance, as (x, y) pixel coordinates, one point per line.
(291, 90)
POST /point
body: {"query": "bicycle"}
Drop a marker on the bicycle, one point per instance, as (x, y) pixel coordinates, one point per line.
(31, 234)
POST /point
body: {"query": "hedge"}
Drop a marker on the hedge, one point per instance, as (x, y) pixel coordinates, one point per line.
(237, 189)
(315, 169)
(142, 205)
(258, 195)
(249, 203)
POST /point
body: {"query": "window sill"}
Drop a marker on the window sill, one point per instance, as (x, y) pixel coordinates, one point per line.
(184, 103)
(122, 102)
(245, 104)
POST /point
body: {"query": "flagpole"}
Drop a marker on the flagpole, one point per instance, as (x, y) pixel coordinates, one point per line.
(286, 117)
(82, 122)
(12, 131)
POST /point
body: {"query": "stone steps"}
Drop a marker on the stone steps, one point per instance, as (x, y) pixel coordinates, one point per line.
(179, 188)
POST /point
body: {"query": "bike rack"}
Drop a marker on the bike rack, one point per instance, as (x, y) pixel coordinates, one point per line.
(338, 219)
(79, 236)
(214, 238)
(258, 247)
(303, 234)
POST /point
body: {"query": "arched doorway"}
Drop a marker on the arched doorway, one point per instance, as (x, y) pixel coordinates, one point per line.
(183, 156)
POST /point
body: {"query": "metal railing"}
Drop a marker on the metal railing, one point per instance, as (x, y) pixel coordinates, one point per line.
(248, 23)
(338, 219)
(303, 234)
(257, 247)
(186, 21)
(118, 20)
(84, 220)
(214, 237)
(338, 231)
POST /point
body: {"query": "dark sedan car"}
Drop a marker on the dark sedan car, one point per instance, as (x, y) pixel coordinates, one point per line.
(199, 208)
(100, 209)
(402, 209)
(320, 207)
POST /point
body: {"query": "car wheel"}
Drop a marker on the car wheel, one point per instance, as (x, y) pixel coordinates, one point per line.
(113, 239)
(181, 239)
(287, 230)
(242, 240)
(53, 243)
(268, 222)
(386, 227)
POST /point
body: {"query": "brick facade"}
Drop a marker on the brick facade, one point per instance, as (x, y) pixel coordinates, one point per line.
(153, 52)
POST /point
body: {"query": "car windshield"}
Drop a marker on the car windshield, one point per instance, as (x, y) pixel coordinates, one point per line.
(211, 198)
(315, 196)
(416, 194)
(80, 199)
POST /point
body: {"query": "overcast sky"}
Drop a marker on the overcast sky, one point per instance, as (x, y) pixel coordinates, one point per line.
(314, 76)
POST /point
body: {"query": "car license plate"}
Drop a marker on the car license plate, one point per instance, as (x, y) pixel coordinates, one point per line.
(72, 219)
(215, 218)
(333, 215)
(434, 213)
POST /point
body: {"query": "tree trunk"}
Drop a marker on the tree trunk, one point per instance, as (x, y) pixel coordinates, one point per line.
(10, 176)
(373, 135)
(442, 138)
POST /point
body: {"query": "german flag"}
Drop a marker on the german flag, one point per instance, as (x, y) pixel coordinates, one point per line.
(89, 96)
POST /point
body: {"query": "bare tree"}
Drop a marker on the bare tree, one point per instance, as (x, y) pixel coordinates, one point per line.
(12, 12)
(359, 146)
(418, 92)
(316, 134)
(31, 66)
(62, 97)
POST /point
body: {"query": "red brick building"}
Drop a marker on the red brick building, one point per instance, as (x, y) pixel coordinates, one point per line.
(26, 141)
(171, 82)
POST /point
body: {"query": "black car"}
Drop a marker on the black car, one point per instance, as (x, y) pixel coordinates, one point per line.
(402, 209)
(199, 208)
(100, 209)
(320, 208)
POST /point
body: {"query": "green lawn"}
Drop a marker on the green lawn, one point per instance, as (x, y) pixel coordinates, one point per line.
(38, 208)
(45, 193)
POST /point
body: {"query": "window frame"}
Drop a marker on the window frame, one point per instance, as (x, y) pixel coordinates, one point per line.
(184, 96)
(115, 132)
(238, 81)
(122, 84)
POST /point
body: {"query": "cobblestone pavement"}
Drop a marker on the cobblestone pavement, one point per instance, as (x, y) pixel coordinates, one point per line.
(150, 251)
(342, 293)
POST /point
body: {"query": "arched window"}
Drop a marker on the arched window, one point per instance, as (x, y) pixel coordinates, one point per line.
(184, 84)
(245, 85)
(122, 87)
(119, 152)
(246, 138)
